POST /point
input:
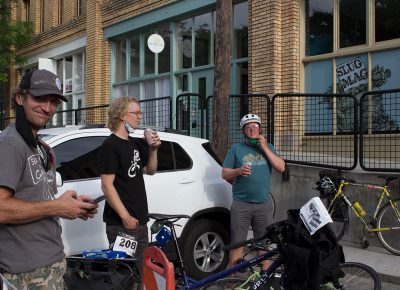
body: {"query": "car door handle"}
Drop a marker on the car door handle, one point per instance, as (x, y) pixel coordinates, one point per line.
(186, 180)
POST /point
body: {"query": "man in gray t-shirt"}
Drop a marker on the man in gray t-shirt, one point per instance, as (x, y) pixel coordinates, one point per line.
(31, 249)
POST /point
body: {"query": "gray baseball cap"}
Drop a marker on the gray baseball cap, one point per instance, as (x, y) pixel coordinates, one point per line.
(41, 82)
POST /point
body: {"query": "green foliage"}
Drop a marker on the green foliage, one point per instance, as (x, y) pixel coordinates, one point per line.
(13, 36)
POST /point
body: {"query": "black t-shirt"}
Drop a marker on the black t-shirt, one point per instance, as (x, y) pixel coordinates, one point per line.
(125, 159)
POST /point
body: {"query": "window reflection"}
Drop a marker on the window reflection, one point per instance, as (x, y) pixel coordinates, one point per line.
(202, 29)
(240, 24)
(135, 54)
(184, 44)
(165, 55)
(352, 22)
(149, 57)
(120, 63)
(387, 19)
(319, 27)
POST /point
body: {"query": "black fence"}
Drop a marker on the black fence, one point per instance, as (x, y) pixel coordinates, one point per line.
(156, 113)
(316, 129)
(240, 105)
(380, 131)
(82, 116)
(326, 130)
(190, 110)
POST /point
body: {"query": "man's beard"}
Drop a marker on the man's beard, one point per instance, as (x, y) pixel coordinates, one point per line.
(24, 127)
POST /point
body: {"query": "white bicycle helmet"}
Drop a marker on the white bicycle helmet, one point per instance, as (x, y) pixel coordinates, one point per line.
(326, 186)
(249, 118)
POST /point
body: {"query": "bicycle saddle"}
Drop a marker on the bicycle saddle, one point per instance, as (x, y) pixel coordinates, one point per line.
(163, 217)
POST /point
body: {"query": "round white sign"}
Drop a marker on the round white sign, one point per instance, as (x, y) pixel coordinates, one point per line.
(155, 43)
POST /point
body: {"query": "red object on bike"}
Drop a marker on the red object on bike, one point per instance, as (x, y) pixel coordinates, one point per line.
(158, 271)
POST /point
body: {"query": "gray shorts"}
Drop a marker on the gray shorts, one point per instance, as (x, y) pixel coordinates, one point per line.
(246, 214)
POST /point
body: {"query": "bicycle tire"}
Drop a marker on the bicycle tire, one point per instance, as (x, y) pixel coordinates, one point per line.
(340, 216)
(389, 239)
(357, 276)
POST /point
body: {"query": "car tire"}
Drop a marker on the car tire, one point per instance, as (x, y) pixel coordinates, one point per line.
(202, 248)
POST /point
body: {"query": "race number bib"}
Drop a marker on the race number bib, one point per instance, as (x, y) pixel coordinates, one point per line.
(125, 244)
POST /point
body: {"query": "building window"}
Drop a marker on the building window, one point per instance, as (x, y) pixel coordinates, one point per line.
(184, 43)
(60, 11)
(120, 60)
(164, 57)
(352, 22)
(42, 15)
(240, 29)
(202, 39)
(319, 27)
(134, 56)
(356, 62)
(148, 75)
(27, 4)
(79, 7)
(387, 19)
(71, 72)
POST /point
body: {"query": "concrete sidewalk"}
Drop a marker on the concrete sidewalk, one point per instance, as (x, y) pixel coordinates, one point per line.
(384, 263)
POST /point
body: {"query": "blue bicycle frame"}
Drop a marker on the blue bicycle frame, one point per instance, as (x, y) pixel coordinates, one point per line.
(193, 284)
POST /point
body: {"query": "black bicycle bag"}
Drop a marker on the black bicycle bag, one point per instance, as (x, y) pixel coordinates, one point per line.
(310, 261)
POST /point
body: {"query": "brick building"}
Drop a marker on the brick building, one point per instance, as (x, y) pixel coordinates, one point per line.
(99, 48)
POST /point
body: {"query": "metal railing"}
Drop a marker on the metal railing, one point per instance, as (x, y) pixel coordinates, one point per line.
(316, 129)
(240, 105)
(325, 130)
(380, 130)
(156, 113)
(190, 109)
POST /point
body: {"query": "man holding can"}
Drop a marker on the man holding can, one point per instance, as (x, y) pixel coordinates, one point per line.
(122, 162)
(248, 167)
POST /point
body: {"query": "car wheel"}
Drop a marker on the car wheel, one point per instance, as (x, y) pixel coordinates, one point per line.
(202, 248)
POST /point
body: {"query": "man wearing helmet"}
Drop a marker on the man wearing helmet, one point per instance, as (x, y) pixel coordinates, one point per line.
(248, 166)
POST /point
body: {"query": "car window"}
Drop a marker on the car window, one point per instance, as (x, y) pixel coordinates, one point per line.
(77, 158)
(165, 157)
(182, 159)
(208, 148)
(171, 156)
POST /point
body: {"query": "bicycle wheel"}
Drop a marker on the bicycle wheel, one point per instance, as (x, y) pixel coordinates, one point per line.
(340, 216)
(357, 276)
(390, 239)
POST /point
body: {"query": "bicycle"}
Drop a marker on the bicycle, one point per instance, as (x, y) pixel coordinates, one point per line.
(271, 279)
(385, 221)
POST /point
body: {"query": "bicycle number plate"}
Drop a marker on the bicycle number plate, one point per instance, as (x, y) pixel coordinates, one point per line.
(125, 244)
(314, 215)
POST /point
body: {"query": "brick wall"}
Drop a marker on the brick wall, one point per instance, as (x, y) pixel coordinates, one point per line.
(273, 40)
(273, 46)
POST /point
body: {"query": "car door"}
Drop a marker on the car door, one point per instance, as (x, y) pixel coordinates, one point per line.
(177, 186)
(76, 161)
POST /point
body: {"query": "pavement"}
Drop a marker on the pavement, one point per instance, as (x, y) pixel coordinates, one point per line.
(387, 265)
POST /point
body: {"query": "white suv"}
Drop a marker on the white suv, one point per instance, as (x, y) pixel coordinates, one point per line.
(187, 182)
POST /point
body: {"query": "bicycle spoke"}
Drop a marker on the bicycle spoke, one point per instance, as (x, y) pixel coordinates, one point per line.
(390, 239)
(358, 276)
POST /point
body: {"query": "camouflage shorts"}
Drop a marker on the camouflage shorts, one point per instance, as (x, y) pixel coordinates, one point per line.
(46, 278)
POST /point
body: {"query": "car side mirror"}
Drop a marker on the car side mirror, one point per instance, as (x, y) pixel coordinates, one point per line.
(59, 181)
